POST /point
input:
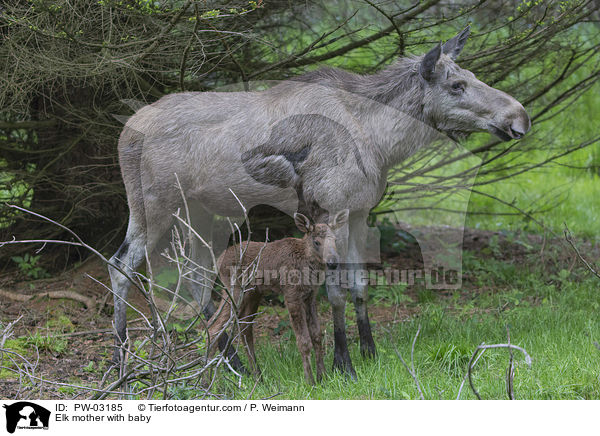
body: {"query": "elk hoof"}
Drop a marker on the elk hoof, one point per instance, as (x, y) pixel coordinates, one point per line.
(368, 350)
(345, 367)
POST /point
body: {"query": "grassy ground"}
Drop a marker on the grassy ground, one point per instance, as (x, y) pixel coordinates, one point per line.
(534, 287)
(552, 317)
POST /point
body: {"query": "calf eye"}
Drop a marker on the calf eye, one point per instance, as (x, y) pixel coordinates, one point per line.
(317, 244)
(458, 87)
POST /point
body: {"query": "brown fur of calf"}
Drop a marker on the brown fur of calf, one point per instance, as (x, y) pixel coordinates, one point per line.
(304, 256)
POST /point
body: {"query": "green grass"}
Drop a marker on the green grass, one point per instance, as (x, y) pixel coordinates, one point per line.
(570, 197)
(552, 317)
(41, 341)
(563, 190)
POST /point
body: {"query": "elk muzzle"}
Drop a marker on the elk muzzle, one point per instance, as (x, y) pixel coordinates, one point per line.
(332, 262)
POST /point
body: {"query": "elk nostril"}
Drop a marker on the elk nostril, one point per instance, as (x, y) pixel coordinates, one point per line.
(332, 263)
(520, 126)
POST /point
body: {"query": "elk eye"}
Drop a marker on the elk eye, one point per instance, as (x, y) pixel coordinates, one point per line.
(317, 244)
(458, 87)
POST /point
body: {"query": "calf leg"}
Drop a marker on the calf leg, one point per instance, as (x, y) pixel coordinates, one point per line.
(217, 336)
(223, 341)
(247, 315)
(316, 337)
(300, 327)
(216, 326)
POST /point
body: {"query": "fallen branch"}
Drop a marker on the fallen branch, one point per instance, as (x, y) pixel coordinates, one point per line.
(97, 332)
(475, 358)
(71, 295)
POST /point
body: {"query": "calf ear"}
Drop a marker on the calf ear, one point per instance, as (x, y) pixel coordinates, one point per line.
(454, 46)
(303, 223)
(427, 67)
(340, 219)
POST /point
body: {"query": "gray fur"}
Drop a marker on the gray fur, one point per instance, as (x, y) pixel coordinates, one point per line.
(454, 46)
(327, 138)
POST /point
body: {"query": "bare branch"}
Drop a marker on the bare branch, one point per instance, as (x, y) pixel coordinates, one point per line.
(477, 355)
(412, 370)
(569, 239)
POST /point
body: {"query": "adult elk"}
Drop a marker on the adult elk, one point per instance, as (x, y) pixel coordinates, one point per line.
(321, 142)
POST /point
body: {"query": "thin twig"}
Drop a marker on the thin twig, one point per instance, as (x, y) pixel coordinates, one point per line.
(569, 238)
(510, 372)
(411, 370)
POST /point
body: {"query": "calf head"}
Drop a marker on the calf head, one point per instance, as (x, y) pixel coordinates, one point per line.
(320, 239)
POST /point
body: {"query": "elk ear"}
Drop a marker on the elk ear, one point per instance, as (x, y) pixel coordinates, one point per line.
(302, 223)
(454, 46)
(340, 219)
(427, 67)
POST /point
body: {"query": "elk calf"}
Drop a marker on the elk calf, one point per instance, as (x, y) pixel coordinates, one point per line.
(287, 266)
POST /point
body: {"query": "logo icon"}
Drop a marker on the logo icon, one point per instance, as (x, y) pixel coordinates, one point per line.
(26, 415)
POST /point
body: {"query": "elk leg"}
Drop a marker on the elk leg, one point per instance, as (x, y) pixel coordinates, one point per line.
(341, 357)
(203, 278)
(359, 298)
(359, 285)
(223, 342)
(215, 326)
(129, 257)
(303, 340)
(314, 328)
(247, 315)
(217, 320)
(218, 337)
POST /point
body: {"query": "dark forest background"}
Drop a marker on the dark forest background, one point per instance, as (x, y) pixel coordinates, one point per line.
(69, 69)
